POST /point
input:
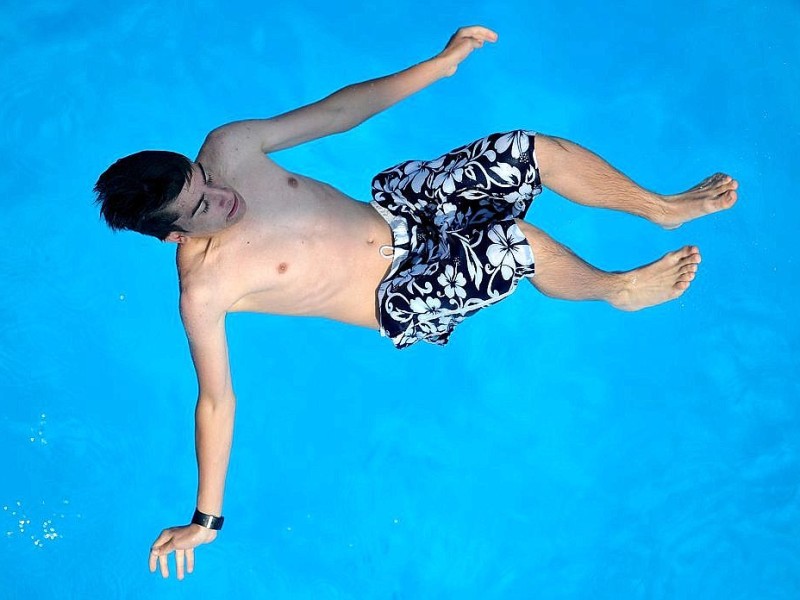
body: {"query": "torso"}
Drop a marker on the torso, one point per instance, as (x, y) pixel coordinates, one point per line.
(302, 248)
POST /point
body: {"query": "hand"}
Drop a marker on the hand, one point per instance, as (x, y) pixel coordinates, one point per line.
(462, 43)
(183, 540)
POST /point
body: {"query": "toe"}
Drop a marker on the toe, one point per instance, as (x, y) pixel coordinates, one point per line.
(729, 183)
(691, 254)
(688, 268)
(721, 178)
(681, 255)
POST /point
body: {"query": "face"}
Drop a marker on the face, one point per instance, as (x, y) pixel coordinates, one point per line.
(206, 206)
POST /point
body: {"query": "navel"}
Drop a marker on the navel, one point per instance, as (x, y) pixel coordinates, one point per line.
(293, 182)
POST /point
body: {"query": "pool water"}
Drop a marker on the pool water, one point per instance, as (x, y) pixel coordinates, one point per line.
(551, 450)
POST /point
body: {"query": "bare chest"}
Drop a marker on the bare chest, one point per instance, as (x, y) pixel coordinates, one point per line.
(310, 251)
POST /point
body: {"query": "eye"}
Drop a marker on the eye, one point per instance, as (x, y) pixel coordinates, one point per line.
(205, 210)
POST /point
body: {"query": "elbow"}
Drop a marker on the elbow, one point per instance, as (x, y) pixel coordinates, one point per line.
(214, 413)
(340, 112)
(216, 402)
(340, 120)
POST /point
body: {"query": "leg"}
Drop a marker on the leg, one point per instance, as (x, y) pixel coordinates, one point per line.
(562, 274)
(581, 176)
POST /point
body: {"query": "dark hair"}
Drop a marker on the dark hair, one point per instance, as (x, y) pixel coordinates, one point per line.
(135, 191)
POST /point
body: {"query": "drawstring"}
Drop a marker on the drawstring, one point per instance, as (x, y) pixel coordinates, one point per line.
(382, 251)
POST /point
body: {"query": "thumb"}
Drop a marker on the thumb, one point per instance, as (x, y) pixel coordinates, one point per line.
(164, 548)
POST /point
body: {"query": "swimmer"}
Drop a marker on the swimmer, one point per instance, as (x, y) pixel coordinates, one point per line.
(439, 240)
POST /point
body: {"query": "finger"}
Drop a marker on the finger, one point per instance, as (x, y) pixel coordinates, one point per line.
(153, 560)
(486, 34)
(156, 550)
(477, 31)
(163, 553)
(162, 559)
(162, 537)
(179, 558)
(190, 560)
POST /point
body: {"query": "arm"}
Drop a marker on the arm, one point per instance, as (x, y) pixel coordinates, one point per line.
(351, 105)
(214, 417)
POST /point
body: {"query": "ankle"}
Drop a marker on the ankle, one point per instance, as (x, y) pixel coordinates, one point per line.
(658, 209)
(620, 290)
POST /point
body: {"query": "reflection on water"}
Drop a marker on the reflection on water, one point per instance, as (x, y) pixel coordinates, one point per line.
(31, 523)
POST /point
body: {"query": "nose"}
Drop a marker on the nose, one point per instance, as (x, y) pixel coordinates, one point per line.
(226, 200)
(222, 197)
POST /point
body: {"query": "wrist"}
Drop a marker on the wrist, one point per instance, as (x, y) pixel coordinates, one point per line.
(443, 66)
(212, 522)
(203, 534)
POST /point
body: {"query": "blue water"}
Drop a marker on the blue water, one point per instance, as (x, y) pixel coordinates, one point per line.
(552, 450)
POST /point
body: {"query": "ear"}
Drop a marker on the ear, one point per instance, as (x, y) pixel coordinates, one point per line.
(176, 237)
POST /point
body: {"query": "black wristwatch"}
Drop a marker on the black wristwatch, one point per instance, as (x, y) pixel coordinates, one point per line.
(207, 521)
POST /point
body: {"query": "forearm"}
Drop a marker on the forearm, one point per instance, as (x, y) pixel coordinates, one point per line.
(358, 102)
(213, 439)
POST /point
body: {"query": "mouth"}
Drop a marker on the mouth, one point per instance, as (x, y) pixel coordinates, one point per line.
(234, 207)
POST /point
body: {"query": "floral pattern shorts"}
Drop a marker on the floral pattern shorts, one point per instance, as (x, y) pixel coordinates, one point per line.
(457, 247)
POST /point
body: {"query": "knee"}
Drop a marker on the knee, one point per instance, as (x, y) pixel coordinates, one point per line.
(551, 143)
(550, 151)
(538, 240)
(544, 247)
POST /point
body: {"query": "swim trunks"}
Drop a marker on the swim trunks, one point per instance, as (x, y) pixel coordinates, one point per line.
(457, 247)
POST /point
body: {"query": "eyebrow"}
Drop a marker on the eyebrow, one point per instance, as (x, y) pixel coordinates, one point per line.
(203, 197)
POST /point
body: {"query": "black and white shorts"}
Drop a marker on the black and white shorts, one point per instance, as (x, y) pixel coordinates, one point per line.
(456, 245)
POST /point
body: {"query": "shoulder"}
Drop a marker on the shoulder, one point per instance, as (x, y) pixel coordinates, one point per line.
(231, 150)
(219, 151)
(198, 303)
(233, 139)
(202, 303)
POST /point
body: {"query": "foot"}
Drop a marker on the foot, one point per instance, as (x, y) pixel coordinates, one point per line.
(665, 279)
(711, 195)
